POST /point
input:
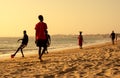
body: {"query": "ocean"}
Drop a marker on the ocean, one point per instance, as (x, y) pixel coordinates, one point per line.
(9, 45)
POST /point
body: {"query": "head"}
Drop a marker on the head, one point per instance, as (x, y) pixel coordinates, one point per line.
(24, 31)
(113, 31)
(40, 17)
(80, 32)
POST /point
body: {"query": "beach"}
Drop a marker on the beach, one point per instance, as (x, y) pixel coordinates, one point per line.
(94, 61)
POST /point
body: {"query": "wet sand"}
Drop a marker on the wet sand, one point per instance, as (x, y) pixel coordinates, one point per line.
(96, 61)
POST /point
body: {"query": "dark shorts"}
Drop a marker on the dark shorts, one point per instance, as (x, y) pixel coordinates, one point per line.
(23, 46)
(41, 43)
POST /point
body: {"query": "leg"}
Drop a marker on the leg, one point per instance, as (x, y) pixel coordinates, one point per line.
(39, 52)
(22, 52)
(46, 50)
(13, 55)
(43, 51)
(17, 51)
(113, 41)
(80, 46)
(22, 46)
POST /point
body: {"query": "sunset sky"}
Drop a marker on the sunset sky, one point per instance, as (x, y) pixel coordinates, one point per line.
(61, 16)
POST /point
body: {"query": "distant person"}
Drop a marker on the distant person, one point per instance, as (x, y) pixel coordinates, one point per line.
(80, 40)
(23, 44)
(48, 41)
(112, 36)
(41, 38)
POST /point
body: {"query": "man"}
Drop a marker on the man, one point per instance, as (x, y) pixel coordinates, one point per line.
(41, 38)
(112, 35)
(23, 44)
(80, 38)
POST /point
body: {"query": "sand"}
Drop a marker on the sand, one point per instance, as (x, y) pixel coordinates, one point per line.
(96, 61)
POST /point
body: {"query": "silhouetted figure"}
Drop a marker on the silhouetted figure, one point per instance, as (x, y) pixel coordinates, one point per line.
(48, 41)
(23, 44)
(112, 35)
(80, 38)
(41, 38)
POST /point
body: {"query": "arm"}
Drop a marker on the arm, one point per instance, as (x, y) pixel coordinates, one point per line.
(19, 40)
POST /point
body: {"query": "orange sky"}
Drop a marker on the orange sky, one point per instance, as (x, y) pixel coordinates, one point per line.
(61, 16)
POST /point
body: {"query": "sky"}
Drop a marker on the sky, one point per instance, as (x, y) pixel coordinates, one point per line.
(62, 16)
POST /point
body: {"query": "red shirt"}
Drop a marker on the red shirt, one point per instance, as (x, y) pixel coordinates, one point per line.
(80, 37)
(40, 30)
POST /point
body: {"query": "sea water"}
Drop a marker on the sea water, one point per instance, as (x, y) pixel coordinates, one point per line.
(9, 45)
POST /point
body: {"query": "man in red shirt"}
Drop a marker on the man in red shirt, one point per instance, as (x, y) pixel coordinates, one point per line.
(40, 28)
(80, 38)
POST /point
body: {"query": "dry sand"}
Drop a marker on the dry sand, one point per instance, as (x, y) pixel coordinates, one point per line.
(96, 61)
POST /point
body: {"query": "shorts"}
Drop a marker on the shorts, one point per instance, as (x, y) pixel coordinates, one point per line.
(23, 46)
(41, 43)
